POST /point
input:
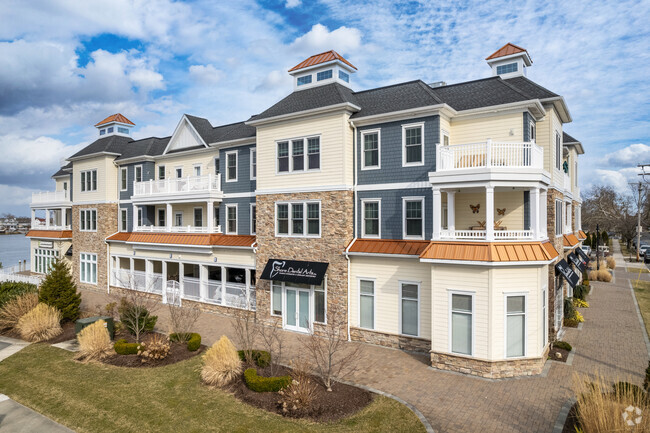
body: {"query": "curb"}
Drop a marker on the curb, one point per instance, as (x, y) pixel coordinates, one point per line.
(563, 415)
(638, 313)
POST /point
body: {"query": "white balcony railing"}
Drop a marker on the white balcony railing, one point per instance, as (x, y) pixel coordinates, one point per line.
(137, 280)
(50, 197)
(183, 185)
(489, 154)
(38, 225)
(567, 182)
(177, 229)
(501, 235)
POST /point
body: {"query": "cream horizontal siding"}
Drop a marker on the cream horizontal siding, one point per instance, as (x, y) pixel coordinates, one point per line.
(502, 127)
(387, 273)
(60, 182)
(545, 130)
(511, 201)
(446, 279)
(187, 162)
(106, 179)
(225, 256)
(335, 147)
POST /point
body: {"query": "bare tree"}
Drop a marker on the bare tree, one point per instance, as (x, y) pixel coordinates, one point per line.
(272, 341)
(330, 354)
(246, 328)
(136, 303)
(182, 317)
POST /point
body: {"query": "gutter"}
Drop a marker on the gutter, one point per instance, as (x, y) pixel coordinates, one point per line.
(298, 114)
(354, 223)
(108, 261)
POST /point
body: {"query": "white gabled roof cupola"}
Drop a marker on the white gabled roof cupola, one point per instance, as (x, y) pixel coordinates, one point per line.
(509, 61)
(320, 69)
(115, 124)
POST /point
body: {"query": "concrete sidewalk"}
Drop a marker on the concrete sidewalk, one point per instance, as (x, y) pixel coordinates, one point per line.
(16, 418)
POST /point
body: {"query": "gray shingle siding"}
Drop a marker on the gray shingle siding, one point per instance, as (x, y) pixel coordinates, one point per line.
(148, 173)
(391, 218)
(526, 210)
(391, 170)
(243, 214)
(244, 182)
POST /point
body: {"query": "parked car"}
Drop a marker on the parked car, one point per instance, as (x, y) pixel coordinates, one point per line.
(646, 258)
(643, 248)
(586, 249)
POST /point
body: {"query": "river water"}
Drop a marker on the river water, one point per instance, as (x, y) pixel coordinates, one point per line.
(13, 248)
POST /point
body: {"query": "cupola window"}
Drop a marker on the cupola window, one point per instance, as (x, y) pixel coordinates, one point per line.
(507, 69)
(344, 76)
(324, 75)
(305, 79)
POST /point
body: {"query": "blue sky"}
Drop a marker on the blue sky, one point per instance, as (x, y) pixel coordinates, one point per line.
(68, 64)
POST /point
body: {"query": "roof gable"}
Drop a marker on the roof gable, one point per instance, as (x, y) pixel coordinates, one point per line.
(186, 136)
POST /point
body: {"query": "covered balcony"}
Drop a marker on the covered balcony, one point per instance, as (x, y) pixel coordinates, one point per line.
(198, 217)
(51, 219)
(51, 198)
(184, 188)
(489, 154)
(489, 214)
(175, 280)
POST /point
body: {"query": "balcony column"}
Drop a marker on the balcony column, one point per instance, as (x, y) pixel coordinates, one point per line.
(489, 213)
(131, 276)
(47, 218)
(181, 275)
(63, 217)
(223, 285)
(248, 289)
(451, 212)
(437, 213)
(169, 217)
(135, 217)
(543, 216)
(534, 212)
(33, 218)
(203, 276)
(148, 271)
(164, 282)
(210, 216)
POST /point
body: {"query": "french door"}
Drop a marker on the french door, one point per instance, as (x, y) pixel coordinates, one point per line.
(297, 315)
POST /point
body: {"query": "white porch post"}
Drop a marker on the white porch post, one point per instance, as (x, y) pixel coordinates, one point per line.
(164, 282)
(248, 289)
(534, 212)
(181, 274)
(148, 271)
(223, 285)
(47, 218)
(33, 218)
(489, 213)
(203, 275)
(63, 216)
(131, 276)
(169, 217)
(135, 217)
(543, 214)
(451, 211)
(437, 212)
(210, 216)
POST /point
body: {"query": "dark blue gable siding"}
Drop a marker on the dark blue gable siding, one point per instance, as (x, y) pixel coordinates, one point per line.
(243, 214)
(528, 120)
(391, 152)
(148, 173)
(244, 182)
(391, 210)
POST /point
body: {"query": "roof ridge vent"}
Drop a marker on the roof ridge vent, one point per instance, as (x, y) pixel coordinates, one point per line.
(438, 84)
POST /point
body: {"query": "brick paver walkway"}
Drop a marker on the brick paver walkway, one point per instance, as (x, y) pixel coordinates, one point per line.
(611, 342)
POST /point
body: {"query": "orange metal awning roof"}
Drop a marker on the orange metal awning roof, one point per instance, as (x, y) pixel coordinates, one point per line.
(490, 251)
(317, 59)
(581, 235)
(185, 239)
(388, 246)
(50, 234)
(570, 241)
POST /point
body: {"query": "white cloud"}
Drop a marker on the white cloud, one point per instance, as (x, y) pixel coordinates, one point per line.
(292, 3)
(628, 156)
(206, 74)
(319, 39)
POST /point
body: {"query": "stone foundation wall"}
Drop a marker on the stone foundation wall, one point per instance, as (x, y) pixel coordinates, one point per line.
(488, 369)
(337, 219)
(93, 242)
(391, 340)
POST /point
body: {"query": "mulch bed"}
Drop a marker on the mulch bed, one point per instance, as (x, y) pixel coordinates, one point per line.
(342, 401)
(554, 350)
(68, 334)
(177, 352)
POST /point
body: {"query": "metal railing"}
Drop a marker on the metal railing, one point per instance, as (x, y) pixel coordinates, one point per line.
(50, 197)
(489, 154)
(137, 280)
(176, 229)
(207, 183)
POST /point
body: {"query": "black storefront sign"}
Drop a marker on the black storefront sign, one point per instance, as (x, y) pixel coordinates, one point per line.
(295, 271)
(583, 255)
(577, 262)
(563, 268)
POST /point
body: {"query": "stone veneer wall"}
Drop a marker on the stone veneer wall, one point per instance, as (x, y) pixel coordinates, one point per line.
(337, 222)
(558, 243)
(489, 369)
(93, 242)
(391, 340)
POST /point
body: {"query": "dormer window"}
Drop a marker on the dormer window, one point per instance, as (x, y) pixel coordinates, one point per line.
(102, 131)
(344, 76)
(305, 79)
(324, 75)
(507, 69)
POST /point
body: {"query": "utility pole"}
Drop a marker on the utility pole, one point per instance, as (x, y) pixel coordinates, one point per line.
(638, 224)
(597, 247)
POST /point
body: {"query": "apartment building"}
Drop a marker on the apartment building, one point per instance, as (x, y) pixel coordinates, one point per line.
(429, 217)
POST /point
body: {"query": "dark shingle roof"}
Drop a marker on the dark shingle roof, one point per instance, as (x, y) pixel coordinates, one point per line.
(566, 138)
(110, 144)
(211, 134)
(65, 170)
(398, 97)
(530, 88)
(151, 146)
(479, 93)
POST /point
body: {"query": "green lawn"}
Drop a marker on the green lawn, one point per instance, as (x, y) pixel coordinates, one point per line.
(642, 292)
(100, 398)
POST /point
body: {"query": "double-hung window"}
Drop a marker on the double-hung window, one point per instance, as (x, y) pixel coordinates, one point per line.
(558, 217)
(283, 157)
(276, 298)
(370, 158)
(161, 217)
(139, 218)
(313, 153)
(413, 212)
(253, 164)
(161, 172)
(231, 166)
(88, 268)
(558, 151)
(217, 169)
(198, 217)
(367, 303)
(299, 219)
(515, 326)
(89, 180)
(88, 220)
(179, 172)
(138, 173)
(253, 219)
(410, 308)
(461, 323)
(231, 219)
(371, 219)
(123, 179)
(197, 170)
(412, 144)
(298, 155)
(123, 219)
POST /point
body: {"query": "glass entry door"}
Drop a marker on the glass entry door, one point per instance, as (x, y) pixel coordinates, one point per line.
(297, 314)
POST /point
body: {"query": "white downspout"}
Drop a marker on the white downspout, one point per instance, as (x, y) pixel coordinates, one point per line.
(354, 223)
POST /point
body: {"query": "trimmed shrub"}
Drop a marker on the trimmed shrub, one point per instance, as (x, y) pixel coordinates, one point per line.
(562, 345)
(156, 349)
(11, 289)
(261, 358)
(94, 342)
(40, 324)
(59, 290)
(193, 342)
(569, 310)
(122, 347)
(16, 308)
(265, 384)
(221, 363)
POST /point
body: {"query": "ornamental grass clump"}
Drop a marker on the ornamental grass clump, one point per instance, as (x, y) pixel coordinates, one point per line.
(40, 324)
(600, 275)
(221, 363)
(16, 308)
(94, 342)
(297, 399)
(611, 262)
